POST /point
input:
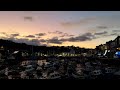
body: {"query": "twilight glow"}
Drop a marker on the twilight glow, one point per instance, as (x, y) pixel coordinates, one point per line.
(60, 28)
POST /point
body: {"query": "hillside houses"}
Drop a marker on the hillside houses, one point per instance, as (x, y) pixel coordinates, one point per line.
(111, 46)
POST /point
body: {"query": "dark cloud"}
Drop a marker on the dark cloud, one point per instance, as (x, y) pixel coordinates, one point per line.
(114, 34)
(38, 37)
(62, 34)
(101, 33)
(54, 40)
(28, 18)
(4, 33)
(35, 42)
(115, 30)
(24, 40)
(78, 23)
(44, 45)
(56, 32)
(15, 35)
(84, 37)
(102, 27)
(64, 39)
(30, 36)
(42, 40)
(71, 35)
(111, 34)
(40, 34)
(66, 35)
(10, 35)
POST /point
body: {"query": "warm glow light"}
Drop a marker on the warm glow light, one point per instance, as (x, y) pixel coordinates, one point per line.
(75, 23)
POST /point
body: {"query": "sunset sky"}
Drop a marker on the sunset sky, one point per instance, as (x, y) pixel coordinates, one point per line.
(60, 28)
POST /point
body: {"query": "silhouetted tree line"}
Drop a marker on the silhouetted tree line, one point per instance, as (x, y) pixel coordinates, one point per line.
(12, 46)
